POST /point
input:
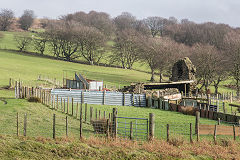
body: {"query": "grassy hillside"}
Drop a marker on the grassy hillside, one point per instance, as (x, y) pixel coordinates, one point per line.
(27, 68)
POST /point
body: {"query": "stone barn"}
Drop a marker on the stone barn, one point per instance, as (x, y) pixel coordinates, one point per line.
(183, 70)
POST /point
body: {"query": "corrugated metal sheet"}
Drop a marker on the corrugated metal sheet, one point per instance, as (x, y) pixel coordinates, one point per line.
(100, 97)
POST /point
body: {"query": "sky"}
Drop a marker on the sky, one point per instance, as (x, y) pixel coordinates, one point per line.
(218, 11)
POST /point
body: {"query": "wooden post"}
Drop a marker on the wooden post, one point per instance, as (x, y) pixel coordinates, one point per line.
(91, 113)
(66, 126)
(61, 105)
(167, 132)
(72, 106)
(104, 114)
(82, 97)
(80, 127)
(85, 112)
(151, 126)
(131, 131)
(107, 132)
(215, 134)
(77, 110)
(234, 133)
(191, 140)
(104, 95)
(67, 105)
(57, 102)
(25, 125)
(54, 126)
(219, 120)
(96, 114)
(123, 99)
(115, 122)
(64, 107)
(224, 109)
(17, 124)
(197, 124)
(99, 115)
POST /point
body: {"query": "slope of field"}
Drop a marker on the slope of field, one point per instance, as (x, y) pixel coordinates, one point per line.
(27, 69)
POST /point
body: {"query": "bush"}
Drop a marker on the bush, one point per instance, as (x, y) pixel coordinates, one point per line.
(34, 99)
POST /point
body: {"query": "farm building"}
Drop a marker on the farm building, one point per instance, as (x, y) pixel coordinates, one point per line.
(79, 82)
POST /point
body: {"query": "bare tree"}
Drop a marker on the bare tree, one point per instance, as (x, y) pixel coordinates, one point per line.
(125, 49)
(23, 41)
(232, 51)
(91, 44)
(71, 40)
(6, 19)
(168, 52)
(206, 59)
(156, 25)
(26, 20)
(99, 20)
(63, 40)
(150, 52)
(40, 42)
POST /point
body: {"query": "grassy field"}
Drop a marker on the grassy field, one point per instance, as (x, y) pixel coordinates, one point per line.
(27, 68)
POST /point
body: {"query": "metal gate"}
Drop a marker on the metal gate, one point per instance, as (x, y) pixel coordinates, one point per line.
(134, 128)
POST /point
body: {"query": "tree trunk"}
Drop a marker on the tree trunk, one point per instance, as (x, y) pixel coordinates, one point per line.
(160, 77)
(152, 77)
(216, 89)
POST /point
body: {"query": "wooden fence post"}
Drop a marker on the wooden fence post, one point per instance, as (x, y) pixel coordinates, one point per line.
(66, 126)
(67, 105)
(167, 132)
(215, 134)
(131, 131)
(54, 126)
(91, 113)
(104, 95)
(85, 112)
(219, 121)
(25, 125)
(96, 114)
(151, 126)
(61, 104)
(80, 129)
(234, 133)
(64, 107)
(72, 106)
(77, 110)
(107, 132)
(99, 115)
(57, 102)
(191, 140)
(17, 124)
(197, 124)
(115, 122)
